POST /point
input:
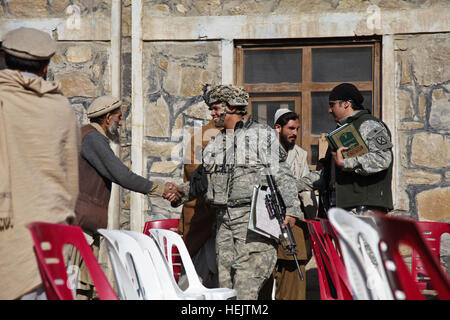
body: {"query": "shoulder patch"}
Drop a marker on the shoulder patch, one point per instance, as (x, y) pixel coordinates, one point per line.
(380, 138)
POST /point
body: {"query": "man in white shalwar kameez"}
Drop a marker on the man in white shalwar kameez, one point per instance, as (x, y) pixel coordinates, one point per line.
(288, 283)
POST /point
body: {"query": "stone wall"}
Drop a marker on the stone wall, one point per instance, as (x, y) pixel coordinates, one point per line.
(423, 104)
(83, 70)
(279, 7)
(82, 67)
(174, 76)
(33, 9)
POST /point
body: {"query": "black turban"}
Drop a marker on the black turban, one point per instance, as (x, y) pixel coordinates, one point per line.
(345, 92)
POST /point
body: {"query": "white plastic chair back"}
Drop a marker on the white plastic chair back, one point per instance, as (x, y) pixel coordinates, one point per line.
(127, 255)
(127, 283)
(364, 267)
(166, 240)
(154, 254)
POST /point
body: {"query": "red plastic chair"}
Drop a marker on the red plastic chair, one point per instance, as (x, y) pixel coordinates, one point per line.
(335, 254)
(49, 239)
(325, 292)
(330, 267)
(172, 225)
(431, 233)
(395, 231)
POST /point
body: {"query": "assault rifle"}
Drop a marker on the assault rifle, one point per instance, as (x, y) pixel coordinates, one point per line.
(276, 208)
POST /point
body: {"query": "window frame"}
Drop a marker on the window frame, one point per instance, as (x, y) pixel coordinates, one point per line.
(307, 86)
(297, 107)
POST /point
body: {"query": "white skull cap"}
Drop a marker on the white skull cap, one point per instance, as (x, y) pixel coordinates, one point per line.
(279, 113)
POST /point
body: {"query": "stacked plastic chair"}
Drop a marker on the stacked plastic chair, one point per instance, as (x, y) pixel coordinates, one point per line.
(395, 231)
(359, 243)
(172, 225)
(169, 241)
(334, 253)
(125, 258)
(141, 268)
(49, 240)
(389, 277)
(431, 233)
(333, 282)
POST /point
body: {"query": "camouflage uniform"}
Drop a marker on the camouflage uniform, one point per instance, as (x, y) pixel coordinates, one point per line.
(232, 164)
(378, 140)
(367, 170)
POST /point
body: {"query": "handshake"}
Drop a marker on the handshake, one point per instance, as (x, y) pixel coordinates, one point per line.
(172, 192)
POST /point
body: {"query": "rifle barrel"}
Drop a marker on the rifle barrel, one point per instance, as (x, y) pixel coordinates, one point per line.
(277, 205)
(300, 273)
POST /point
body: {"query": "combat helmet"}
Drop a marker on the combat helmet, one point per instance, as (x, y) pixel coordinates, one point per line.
(232, 95)
(228, 95)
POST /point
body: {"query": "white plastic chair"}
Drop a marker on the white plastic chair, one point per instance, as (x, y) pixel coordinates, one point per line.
(127, 261)
(153, 279)
(166, 239)
(368, 280)
(154, 256)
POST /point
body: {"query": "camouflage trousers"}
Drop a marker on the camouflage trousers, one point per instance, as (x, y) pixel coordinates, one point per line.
(245, 259)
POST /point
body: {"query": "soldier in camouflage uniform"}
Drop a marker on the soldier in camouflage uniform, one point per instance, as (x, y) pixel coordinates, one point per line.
(359, 184)
(232, 165)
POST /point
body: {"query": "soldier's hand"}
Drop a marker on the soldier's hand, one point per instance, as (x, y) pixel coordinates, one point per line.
(172, 192)
(337, 156)
(171, 187)
(290, 220)
(171, 197)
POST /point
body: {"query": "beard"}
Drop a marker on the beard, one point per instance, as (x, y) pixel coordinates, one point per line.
(285, 142)
(113, 132)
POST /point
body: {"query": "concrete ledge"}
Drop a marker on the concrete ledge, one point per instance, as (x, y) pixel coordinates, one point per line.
(328, 24)
(308, 25)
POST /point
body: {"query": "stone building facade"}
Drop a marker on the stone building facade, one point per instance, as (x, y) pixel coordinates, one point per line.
(180, 45)
(423, 105)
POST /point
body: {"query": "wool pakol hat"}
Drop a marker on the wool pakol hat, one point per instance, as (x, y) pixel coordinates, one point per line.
(29, 43)
(345, 92)
(103, 105)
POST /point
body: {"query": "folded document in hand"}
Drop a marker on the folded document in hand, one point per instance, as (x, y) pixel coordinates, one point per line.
(260, 220)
